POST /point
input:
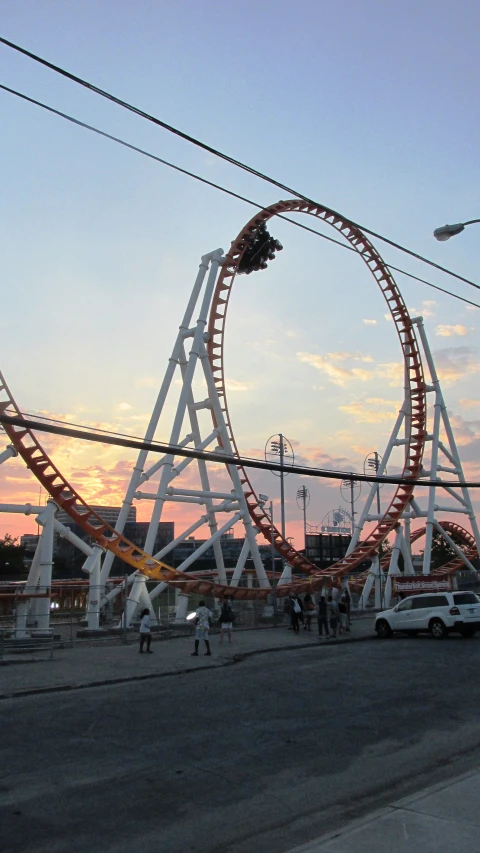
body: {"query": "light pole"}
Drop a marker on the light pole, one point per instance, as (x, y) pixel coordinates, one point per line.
(263, 499)
(278, 446)
(303, 499)
(447, 231)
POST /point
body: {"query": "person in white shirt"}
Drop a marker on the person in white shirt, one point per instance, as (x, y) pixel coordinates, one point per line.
(202, 623)
(145, 633)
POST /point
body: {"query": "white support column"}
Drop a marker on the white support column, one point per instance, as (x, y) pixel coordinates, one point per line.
(185, 393)
(23, 607)
(46, 562)
(377, 572)
(237, 574)
(381, 470)
(94, 587)
(233, 471)
(8, 453)
(158, 408)
(393, 567)
(407, 556)
(181, 608)
(134, 599)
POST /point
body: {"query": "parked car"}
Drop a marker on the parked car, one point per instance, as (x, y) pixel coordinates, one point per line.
(439, 613)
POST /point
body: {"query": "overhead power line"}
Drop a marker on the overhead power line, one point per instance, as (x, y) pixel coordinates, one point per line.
(238, 163)
(219, 187)
(86, 434)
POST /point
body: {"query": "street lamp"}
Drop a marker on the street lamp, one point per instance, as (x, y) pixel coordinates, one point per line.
(303, 499)
(262, 501)
(447, 231)
(277, 448)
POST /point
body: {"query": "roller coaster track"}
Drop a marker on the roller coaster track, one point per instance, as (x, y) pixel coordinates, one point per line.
(414, 373)
(38, 461)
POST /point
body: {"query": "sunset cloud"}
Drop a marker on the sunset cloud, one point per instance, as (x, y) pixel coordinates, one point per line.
(446, 331)
(369, 322)
(372, 410)
(234, 385)
(453, 363)
(337, 372)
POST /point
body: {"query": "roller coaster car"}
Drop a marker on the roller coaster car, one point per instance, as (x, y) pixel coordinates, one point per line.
(261, 247)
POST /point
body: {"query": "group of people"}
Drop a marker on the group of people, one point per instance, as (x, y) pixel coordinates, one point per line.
(333, 617)
(203, 620)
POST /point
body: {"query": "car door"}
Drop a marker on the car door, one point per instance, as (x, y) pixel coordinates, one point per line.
(403, 615)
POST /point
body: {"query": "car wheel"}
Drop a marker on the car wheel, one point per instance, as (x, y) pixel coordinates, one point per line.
(383, 629)
(468, 632)
(437, 629)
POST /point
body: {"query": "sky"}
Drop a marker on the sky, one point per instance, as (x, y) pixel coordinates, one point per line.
(370, 108)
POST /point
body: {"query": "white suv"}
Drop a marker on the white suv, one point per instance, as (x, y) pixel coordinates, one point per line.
(439, 613)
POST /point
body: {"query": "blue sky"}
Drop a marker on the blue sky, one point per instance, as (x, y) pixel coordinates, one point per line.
(371, 108)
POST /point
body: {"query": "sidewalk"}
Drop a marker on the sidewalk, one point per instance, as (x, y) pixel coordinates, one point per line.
(96, 665)
(444, 818)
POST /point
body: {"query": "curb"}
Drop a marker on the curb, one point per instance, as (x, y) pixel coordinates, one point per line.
(236, 658)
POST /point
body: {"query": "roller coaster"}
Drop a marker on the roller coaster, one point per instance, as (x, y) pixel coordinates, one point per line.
(211, 294)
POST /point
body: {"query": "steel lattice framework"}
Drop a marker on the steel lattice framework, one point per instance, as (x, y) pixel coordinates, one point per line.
(63, 493)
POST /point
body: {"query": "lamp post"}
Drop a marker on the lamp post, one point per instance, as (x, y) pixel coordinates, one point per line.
(262, 500)
(446, 231)
(277, 447)
(303, 499)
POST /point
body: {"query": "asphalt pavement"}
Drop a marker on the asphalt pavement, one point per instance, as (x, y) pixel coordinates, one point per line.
(279, 750)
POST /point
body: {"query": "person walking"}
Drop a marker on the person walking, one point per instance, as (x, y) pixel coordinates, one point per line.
(145, 631)
(332, 610)
(309, 610)
(227, 618)
(202, 624)
(322, 617)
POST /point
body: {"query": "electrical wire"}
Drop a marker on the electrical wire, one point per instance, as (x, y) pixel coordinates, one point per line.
(85, 433)
(238, 163)
(219, 187)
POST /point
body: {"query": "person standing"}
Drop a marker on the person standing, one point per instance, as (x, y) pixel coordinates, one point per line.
(227, 617)
(202, 624)
(145, 631)
(342, 613)
(332, 610)
(309, 610)
(322, 617)
(295, 611)
(348, 602)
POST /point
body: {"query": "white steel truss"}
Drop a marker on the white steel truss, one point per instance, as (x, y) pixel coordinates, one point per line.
(444, 459)
(187, 430)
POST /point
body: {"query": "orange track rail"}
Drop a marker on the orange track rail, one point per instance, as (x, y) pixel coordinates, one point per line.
(68, 498)
(414, 372)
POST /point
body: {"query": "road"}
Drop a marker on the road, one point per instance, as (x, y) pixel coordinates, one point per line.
(258, 756)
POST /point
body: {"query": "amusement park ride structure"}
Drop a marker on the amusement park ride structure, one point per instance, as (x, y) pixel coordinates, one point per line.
(197, 361)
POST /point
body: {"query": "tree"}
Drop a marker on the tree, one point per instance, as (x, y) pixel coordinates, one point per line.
(11, 556)
(441, 551)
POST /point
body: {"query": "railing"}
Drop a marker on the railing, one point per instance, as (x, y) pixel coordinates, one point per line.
(16, 648)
